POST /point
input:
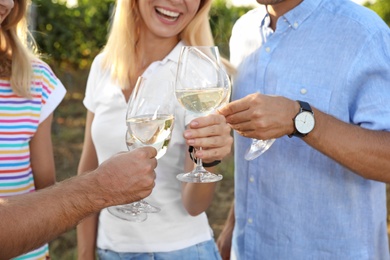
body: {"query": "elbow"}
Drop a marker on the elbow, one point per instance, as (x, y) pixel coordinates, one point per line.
(194, 212)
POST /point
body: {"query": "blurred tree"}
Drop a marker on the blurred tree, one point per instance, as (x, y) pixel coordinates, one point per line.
(222, 17)
(382, 8)
(72, 36)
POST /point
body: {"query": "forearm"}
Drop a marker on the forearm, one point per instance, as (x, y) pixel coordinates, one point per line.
(50, 212)
(41, 156)
(231, 217)
(363, 151)
(86, 237)
(197, 197)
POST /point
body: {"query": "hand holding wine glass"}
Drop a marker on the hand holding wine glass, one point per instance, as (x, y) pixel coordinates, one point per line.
(149, 120)
(201, 86)
(242, 112)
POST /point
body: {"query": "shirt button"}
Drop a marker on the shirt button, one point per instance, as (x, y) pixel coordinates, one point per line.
(303, 91)
(251, 179)
(295, 25)
(250, 221)
(268, 49)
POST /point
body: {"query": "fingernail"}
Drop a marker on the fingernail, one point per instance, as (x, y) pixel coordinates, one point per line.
(194, 123)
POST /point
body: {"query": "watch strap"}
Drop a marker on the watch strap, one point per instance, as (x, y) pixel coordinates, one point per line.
(304, 106)
(195, 160)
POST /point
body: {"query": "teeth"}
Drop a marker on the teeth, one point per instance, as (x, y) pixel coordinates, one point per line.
(168, 13)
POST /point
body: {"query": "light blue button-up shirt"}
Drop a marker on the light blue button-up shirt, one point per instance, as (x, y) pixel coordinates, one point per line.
(293, 202)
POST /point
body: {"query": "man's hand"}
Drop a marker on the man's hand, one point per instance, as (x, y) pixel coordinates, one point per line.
(261, 116)
(128, 177)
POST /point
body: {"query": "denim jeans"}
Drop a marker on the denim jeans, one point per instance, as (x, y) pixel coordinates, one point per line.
(203, 251)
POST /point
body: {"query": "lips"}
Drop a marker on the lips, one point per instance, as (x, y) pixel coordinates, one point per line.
(169, 15)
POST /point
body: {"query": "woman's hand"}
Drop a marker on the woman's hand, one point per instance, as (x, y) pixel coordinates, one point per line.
(212, 134)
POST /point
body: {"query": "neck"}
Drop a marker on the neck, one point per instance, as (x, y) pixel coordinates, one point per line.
(148, 52)
(277, 10)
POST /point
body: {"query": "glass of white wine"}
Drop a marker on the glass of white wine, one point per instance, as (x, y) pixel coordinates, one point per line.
(149, 119)
(201, 86)
(257, 148)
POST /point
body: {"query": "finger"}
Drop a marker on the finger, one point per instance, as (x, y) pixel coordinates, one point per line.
(212, 119)
(244, 126)
(148, 151)
(212, 129)
(233, 107)
(212, 154)
(208, 142)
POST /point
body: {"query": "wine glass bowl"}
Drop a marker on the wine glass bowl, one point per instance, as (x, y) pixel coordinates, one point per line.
(149, 120)
(150, 130)
(257, 148)
(201, 86)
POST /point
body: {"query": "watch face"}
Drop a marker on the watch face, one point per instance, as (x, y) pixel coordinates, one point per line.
(304, 122)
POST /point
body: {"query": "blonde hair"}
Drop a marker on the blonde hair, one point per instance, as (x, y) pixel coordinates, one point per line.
(124, 34)
(14, 51)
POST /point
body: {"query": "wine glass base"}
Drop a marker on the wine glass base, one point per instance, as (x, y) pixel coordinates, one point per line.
(203, 177)
(124, 213)
(143, 206)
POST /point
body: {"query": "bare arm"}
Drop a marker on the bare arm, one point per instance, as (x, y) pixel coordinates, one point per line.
(30, 220)
(197, 197)
(224, 241)
(214, 136)
(87, 229)
(363, 151)
(42, 158)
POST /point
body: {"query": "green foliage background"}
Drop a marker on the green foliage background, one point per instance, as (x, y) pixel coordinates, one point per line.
(69, 39)
(73, 36)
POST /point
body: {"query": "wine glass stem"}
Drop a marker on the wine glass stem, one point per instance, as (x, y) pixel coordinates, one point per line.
(199, 170)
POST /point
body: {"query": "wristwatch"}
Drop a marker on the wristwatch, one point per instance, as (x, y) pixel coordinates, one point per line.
(304, 121)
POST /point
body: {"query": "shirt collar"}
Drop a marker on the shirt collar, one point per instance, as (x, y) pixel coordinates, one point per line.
(163, 66)
(295, 17)
(174, 54)
(300, 13)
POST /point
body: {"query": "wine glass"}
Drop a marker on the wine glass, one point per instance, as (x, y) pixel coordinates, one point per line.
(201, 86)
(149, 120)
(257, 148)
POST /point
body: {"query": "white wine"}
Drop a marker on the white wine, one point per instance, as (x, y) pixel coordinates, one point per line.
(153, 130)
(200, 100)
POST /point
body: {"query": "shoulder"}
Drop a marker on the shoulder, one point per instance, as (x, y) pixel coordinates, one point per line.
(42, 68)
(99, 69)
(356, 17)
(44, 77)
(100, 60)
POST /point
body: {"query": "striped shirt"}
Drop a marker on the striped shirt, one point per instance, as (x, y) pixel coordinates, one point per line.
(19, 120)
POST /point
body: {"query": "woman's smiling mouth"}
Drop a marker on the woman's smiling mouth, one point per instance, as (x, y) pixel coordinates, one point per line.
(169, 15)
